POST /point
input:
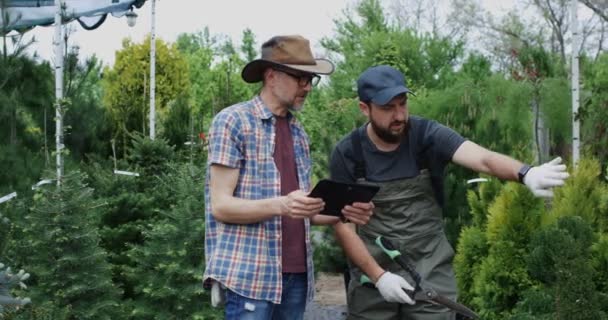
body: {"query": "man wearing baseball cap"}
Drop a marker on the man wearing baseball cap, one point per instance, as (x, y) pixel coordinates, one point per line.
(258, 214)
(406, 156)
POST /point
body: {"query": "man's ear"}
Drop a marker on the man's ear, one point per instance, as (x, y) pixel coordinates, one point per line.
(268, 72)
(364, 107)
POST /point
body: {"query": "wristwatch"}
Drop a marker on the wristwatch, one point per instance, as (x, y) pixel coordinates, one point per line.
(522, 172)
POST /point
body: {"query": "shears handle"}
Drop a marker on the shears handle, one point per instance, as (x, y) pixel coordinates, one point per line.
(366, 281)
(391, 250)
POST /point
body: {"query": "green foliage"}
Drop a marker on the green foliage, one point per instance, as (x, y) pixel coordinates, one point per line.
(214, 73)
(85, 133)
(26, 94)
(126, 85)
(514, 216)
(8, 280)
(502, 276)
(527, 262)
(151, 157)
(177, 125)
(480, 201)
(560, 258)
(594, 109)
(39, 311)
(248, 45)
(501, 279)
(328, 254)
(366, 38)
(599, 262)
(552, 246)
(170, 260)
(477, 67)
(535, 303)
(61, 238)
(326, 123)
(493, 113)
(556, 105)
(21, 167)
(583, 195)
(133, 203)
(472, 249)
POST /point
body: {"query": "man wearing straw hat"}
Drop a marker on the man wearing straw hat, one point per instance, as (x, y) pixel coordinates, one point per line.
(258, 214)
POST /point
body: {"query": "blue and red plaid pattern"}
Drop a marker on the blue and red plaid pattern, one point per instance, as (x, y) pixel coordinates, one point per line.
(246, 258)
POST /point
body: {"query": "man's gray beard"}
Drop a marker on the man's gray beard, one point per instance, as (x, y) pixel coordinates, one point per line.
(296, 108)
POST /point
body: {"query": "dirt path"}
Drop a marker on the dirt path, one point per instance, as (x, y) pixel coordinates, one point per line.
(330, 298)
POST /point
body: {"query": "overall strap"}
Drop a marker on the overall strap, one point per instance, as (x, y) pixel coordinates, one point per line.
(358, 155)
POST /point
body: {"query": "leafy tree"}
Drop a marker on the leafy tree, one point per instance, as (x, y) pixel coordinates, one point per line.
(215, 73)
(126, 94)
(367, 39)
(248, 45)
(198, 49)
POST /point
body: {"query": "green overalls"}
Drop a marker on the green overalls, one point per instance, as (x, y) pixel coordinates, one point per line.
(407, 214)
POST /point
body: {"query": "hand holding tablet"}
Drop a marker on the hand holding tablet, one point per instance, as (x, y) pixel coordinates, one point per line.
(336, 195)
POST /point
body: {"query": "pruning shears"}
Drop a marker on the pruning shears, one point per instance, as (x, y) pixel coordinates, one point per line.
(420, 292)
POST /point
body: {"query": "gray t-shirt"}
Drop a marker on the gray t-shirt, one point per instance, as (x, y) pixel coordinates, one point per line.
(428, 145)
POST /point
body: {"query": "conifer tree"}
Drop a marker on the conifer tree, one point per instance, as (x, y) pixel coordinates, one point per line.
(133, 204)
(170, 261)
(62, 252)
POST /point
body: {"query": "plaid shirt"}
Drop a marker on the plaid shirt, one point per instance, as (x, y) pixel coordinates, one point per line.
(246, 258)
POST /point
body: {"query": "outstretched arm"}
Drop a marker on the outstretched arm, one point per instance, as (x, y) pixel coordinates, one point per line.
(540, 180)
(480, 159)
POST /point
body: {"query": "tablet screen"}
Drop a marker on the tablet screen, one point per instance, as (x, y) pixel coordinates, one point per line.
(336, 195)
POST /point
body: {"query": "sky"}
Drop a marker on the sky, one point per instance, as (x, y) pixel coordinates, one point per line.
(312, 19)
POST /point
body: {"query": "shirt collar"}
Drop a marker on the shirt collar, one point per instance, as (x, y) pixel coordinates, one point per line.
(263, 112)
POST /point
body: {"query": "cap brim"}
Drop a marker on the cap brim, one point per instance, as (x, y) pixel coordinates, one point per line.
(386, 95)
(254, 70)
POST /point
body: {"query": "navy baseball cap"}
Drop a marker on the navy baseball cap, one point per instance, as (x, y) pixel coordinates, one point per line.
(380, 84)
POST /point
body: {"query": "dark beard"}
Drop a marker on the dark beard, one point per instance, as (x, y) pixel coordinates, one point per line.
(386, 135)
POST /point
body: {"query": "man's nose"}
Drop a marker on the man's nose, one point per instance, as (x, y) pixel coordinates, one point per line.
(400, 114)
(308, 87)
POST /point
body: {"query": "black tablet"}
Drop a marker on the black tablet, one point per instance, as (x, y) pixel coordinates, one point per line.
(336, 195)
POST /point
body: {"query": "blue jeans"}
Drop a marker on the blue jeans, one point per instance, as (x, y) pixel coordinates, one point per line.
(293, 302)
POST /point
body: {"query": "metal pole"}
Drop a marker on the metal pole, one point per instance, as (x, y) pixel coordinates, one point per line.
(58, 43)
(575, 85)
(153, 73)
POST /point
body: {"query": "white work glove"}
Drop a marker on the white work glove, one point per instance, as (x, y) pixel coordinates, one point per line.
(540, 180)
(217, 295)
(391, 288)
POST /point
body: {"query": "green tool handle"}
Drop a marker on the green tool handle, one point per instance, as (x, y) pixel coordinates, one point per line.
(390, 249)
(366, 281)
